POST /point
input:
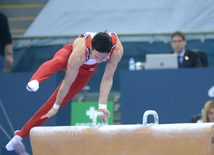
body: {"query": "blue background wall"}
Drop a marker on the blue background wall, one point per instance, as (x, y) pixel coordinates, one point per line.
(21, 104)
(175, 95)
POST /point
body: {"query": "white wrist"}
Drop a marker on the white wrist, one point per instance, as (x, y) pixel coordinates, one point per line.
(56, 106)
(102, 106)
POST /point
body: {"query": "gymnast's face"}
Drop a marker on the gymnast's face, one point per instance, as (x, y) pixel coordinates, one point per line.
(98, 56)
(210, 115)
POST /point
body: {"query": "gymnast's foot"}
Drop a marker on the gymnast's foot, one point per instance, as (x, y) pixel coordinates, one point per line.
(14, 141)
(33, 86)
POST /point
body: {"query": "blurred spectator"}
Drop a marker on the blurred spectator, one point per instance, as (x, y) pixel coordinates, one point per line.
(5, 41)
(186, 58)
(208, 112)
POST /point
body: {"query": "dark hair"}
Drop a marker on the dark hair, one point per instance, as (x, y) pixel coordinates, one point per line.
(102, 42)
(178, 33)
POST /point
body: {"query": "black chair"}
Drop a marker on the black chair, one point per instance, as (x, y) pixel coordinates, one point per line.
(203, 57)
(195, 118)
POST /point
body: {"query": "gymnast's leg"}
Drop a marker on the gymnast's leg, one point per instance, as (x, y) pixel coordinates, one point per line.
(36, 120)
(59, 62)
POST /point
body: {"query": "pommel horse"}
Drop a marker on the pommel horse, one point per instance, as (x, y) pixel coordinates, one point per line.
(145, 139)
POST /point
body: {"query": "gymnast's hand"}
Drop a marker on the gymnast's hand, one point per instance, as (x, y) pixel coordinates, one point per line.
(105, 111)
(50, 113)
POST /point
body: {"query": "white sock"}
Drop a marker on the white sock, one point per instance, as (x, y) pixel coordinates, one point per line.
(10, 145)
(33, 86)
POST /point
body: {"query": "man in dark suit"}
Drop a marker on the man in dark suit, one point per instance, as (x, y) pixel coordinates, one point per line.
(186, 58)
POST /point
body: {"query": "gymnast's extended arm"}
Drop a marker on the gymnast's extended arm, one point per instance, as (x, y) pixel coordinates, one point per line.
(107, 78)
(76, 59)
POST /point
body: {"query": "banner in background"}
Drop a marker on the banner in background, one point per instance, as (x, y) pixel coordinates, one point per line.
(82, 113)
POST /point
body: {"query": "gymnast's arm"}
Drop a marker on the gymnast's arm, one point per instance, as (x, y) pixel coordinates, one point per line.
(107, 78)
(76, 59)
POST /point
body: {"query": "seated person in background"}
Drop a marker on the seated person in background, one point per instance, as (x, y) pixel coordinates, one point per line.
(186, 58)
(208, 114)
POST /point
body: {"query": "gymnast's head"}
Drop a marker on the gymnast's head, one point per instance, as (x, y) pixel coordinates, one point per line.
(101, 45)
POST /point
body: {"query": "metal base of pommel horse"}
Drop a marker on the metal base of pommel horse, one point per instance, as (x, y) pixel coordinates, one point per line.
(145, 139)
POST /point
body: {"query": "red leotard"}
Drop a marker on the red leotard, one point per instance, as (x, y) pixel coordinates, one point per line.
(58, 63)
